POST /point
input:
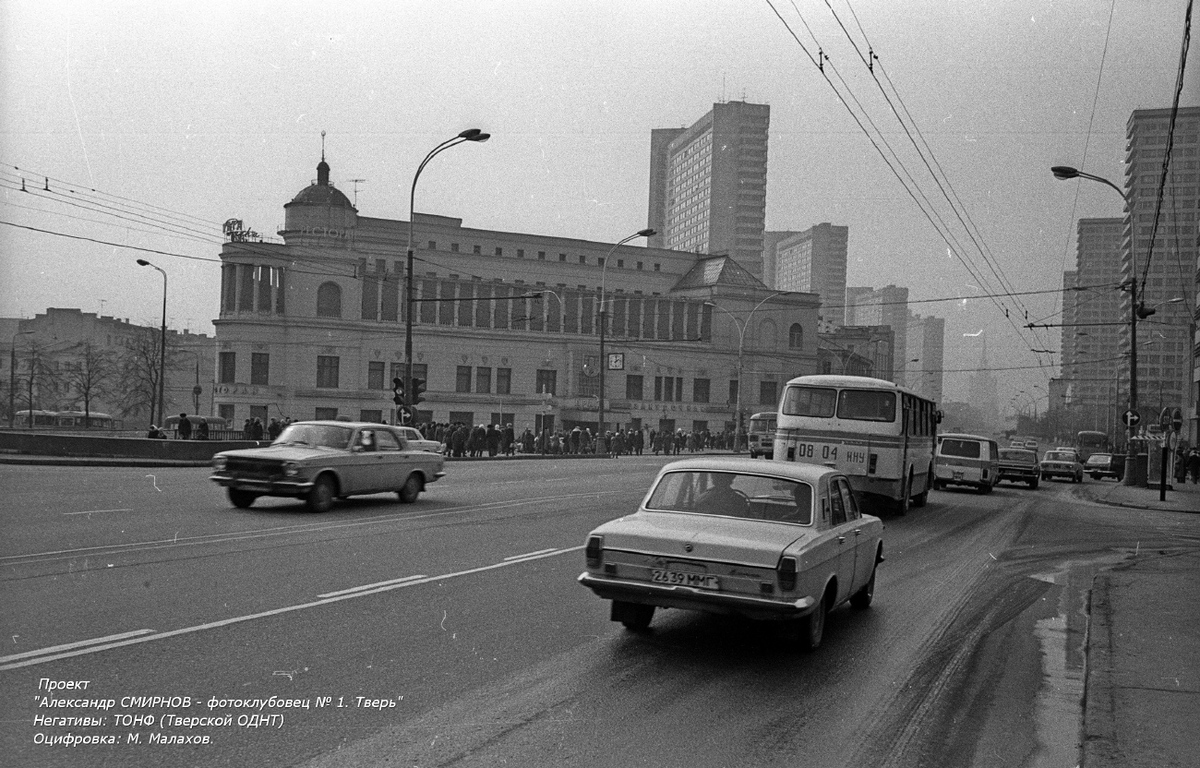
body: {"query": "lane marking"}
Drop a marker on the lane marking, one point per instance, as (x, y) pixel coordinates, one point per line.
(531, 554)
(79, 644)
(369, 586)
(28, 659)
(96, 511)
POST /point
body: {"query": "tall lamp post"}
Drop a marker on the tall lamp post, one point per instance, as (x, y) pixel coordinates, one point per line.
(12, 382)
(741, 326)
(162, 345)
(599, 447)
(471, 134)
(1138, 311)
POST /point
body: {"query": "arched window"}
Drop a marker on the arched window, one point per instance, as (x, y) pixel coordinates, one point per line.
(768, 334)
(329, 300)
(796, 336)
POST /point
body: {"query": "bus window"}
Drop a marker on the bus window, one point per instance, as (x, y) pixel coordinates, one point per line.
(809, 401)
(864, 405)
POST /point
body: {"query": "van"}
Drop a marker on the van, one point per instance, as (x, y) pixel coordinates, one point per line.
(762, 435)
(969, 460)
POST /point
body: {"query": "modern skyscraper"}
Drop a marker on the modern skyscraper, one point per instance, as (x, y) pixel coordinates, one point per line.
(814, 261)
(708, 184)
(883, 306)
(924, 349)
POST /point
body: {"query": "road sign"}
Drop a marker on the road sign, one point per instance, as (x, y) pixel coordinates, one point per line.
(1177, 419)
(1131, 418)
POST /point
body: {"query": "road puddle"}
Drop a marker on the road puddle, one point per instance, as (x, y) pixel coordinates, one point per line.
(1063, 640)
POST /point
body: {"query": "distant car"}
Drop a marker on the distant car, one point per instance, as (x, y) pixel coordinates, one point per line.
(418, 442)
(1100, 465)
(1018, 465)
(1062, 463)
(970, 460)
(320, 461)
(764, 540)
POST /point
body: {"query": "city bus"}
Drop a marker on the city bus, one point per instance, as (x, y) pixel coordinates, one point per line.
(1089, 441)
(881, 435)
(762, 434)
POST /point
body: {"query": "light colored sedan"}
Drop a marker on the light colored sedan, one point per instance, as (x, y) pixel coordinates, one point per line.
(320, 461)
(418, 442)
(764, 540)
(1062, 462)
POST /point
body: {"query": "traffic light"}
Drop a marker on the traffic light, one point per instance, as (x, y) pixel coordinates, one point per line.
(418, 390)
(398, 390)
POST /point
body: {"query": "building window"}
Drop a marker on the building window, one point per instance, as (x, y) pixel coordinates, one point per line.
(375, 376)
(562, 257)
(227, 367)
(733, 390)
(582, 259)
(700, 388)
(329, 300)
(483, 380)
(520, 253)
(668, 388)
(504, 381)
(225, 411)
(620, 263)
(476, 249)
(462, 379)
(325, 414)
(371, 415)
(499, 251)
(639, 266)
(768, 393)
(327, 371)
(433, 245)
(547, 382)
(657, 267)
(634, 385)
(260, 368)
(796, 336)
(541, 255)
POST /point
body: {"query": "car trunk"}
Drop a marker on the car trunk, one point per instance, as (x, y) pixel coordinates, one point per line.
(711, 538)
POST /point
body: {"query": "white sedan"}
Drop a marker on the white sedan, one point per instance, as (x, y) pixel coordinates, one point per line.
(765, 540)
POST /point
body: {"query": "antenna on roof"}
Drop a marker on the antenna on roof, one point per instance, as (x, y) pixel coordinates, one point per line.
(322, 146)
(356, 182)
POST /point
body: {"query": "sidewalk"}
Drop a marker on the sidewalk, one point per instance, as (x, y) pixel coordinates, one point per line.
(1142, 689)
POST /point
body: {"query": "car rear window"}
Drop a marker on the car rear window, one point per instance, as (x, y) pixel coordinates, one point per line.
(1060, 456)
(731, 494)
(1016, 455)
(962, 449)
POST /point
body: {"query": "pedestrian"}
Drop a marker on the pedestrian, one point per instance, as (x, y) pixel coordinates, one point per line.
(202, 429)
(185, 427)
(156, 434)
(273, 429)
(1194, 465)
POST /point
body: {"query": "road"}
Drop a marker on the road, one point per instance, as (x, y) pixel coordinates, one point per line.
(451, 631)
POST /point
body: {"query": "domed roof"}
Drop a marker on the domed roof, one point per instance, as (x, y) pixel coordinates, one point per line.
(321, 192)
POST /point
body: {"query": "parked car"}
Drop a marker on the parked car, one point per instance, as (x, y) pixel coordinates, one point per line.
(320, 461)
(1062, 463)
(418, 442)
(1018, 465)
(764, 540)
(1101, 465)
(970, 460)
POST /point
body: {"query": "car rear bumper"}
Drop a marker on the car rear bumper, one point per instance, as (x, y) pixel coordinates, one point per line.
(696, 599)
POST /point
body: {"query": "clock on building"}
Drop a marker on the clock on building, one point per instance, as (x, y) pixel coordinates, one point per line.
(616, 361)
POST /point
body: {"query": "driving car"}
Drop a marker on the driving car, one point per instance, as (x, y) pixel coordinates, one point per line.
(763, 540)
(418, 442)
(1018, 465)
(319, 461)
(1100, 465)
(1062, 463)
(970, 460)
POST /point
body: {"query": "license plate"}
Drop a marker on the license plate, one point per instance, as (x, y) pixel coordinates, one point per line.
(958, 475)
(826, 452)
(675, 578)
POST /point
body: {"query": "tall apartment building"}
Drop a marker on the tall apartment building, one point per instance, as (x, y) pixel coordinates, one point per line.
(884, 306)
(926, 339)
(1162, 250)
(814, 261)
(708, 184)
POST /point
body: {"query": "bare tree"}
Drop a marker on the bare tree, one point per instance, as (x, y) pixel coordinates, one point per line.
(139, 371)
(91, 376)
(36, 387)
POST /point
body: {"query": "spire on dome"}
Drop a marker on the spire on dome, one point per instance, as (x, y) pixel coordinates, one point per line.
(323, 167)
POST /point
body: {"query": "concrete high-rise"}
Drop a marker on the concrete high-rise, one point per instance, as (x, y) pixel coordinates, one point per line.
(708, 184)
(814, 261)
(883, 306)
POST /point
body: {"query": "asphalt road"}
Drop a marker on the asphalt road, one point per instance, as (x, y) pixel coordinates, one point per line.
(451, 631)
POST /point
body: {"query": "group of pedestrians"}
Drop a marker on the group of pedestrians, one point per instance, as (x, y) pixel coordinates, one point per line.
(462, 440)
(1187, 465)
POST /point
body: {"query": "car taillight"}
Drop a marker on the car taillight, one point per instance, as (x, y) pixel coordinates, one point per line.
(594, 551)
(787, 574)
(218, 463)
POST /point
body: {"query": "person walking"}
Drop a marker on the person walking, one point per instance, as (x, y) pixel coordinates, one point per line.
(185, 427)
(1194, 465)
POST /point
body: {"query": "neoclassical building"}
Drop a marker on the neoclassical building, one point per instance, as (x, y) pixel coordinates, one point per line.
(505, 325)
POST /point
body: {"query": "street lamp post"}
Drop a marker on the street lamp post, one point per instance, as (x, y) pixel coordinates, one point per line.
(1137, 312)
(471, 134)
(603, 360)
(162, 345)
(12, 382)
(741, 326)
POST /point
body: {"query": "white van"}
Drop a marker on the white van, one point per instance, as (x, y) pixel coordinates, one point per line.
(968, 460)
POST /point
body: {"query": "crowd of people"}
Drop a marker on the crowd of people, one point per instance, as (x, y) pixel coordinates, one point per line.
(466, 440)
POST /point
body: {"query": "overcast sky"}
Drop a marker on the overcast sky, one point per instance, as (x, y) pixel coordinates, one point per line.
(202, 112)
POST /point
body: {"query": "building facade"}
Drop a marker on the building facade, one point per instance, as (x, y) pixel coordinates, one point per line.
(814, 261)
(883, 306)
(708, 184)
(505, 325)
(925, 344)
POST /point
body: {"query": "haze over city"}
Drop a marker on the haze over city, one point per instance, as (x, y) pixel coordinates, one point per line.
(206, 114)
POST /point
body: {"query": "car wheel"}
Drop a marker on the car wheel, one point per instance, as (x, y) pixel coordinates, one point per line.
(904, 503)
(321, 495)
(862, 598)
(241, 499)
(411, 490)
(635, 616)
(923, 497)
(1033, 484)
(812, 628)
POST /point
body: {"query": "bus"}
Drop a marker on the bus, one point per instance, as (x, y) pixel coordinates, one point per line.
(78, 419)
(762, 434)
(881, 435)
(1089, 441)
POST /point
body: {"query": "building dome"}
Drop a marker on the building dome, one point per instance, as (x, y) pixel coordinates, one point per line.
(321, 192)
(320, 208)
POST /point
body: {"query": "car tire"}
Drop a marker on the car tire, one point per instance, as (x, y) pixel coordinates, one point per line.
(1033, 484)
(241, 499)
(634, 616)
(321, 495)
(812, 627)
(904, 503)
(411, 490)
(862, 598)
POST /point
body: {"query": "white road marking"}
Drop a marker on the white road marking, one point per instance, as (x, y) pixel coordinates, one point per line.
(117, 641)
(96, 511)
(80, 644)
(389, 582)
(531, 554)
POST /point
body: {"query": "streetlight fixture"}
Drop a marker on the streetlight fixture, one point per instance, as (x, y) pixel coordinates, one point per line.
(471, 134)
(742, 326)
(1138, 311)
(12, 382)
(600, 441)
(162, 345)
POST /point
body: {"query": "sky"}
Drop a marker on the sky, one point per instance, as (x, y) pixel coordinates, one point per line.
(153, 122)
